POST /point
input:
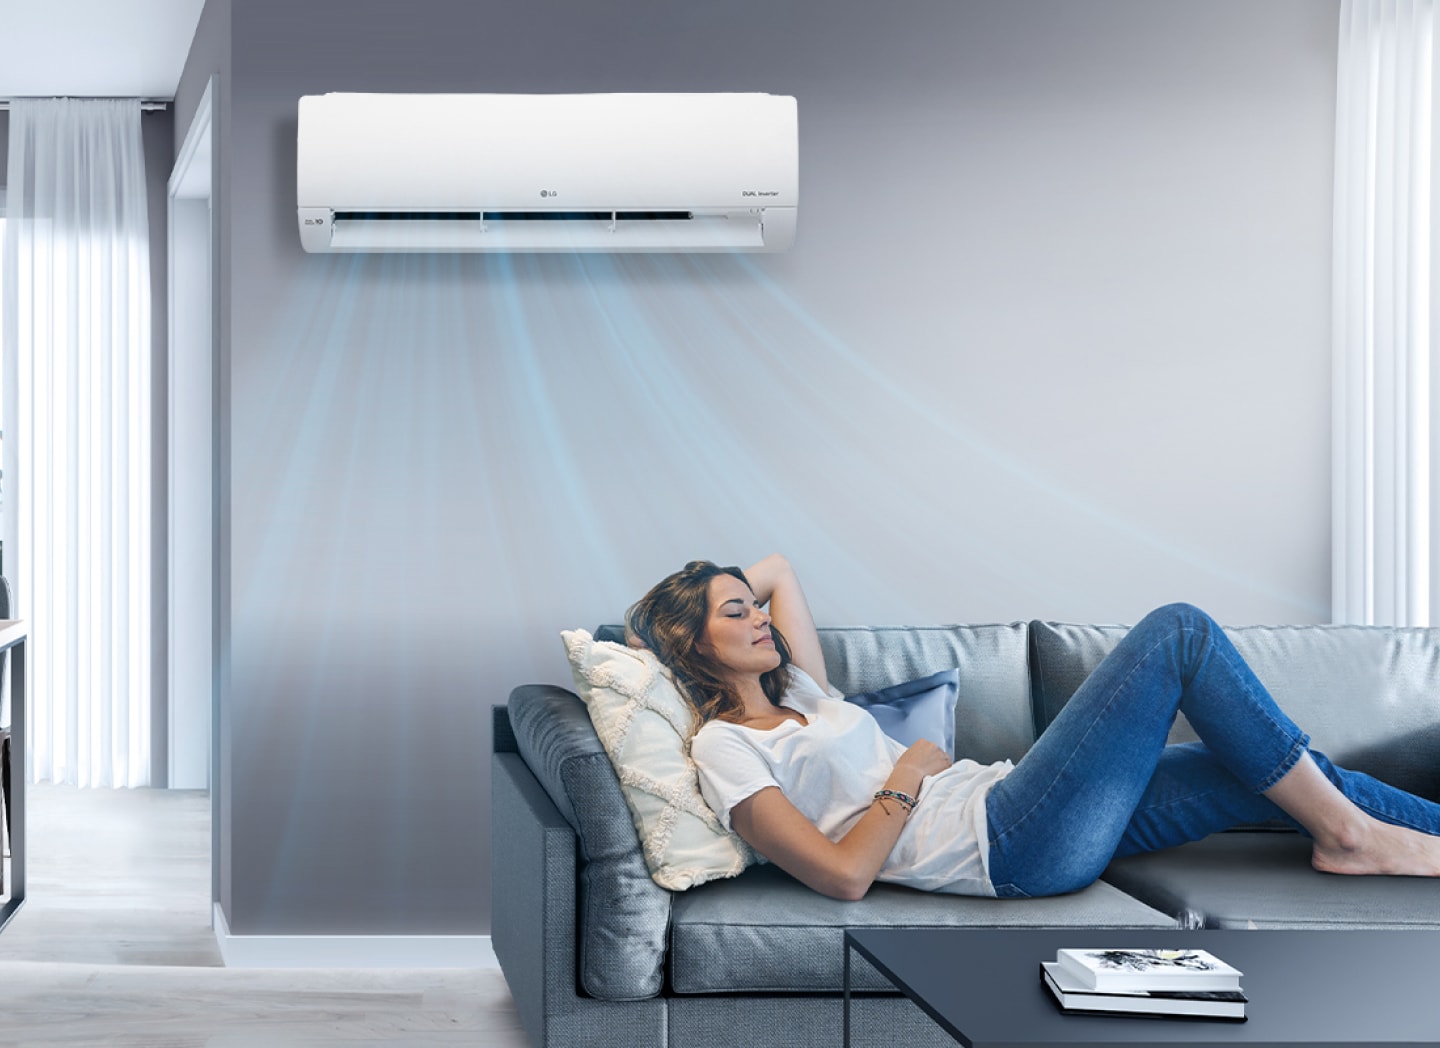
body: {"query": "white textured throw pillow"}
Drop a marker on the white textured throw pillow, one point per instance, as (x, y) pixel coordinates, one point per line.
(643, 723)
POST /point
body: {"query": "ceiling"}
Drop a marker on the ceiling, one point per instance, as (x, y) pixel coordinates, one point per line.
(95, 48)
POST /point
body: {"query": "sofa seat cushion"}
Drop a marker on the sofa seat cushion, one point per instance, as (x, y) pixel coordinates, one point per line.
(766, 932)
(1260, 879)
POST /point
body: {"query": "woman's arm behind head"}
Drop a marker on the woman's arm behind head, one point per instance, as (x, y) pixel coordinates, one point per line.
(774, 580)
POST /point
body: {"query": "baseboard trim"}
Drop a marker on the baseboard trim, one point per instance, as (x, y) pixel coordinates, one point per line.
(351, 951)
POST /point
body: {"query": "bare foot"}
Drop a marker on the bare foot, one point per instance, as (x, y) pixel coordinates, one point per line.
(1380, 848)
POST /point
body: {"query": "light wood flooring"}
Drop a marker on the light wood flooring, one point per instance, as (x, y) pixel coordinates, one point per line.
(113, 947)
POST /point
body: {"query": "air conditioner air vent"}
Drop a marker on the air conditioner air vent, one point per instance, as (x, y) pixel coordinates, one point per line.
(513, 216)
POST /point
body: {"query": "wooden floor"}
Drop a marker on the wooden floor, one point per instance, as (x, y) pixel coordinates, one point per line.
(113, 947)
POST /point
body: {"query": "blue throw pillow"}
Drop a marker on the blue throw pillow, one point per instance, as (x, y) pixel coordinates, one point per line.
(918, 709)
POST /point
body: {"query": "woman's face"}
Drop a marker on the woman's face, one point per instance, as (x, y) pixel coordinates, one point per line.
(737, 629)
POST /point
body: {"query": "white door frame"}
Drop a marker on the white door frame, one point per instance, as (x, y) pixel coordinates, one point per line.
(190, 502)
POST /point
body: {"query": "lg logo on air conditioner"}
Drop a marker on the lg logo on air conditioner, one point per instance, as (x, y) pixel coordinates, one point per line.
(549, 192)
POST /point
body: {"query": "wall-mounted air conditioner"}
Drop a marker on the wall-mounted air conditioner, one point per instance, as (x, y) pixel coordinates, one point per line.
(604, 172)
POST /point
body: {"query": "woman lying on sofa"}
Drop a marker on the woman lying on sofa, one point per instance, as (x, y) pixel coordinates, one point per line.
(812, 784)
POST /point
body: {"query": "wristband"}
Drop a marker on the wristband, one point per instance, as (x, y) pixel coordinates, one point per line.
(905, 800)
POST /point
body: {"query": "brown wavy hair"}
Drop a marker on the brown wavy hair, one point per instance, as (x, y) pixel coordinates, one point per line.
(670, 620)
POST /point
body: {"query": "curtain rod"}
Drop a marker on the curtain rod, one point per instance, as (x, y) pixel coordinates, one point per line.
(147, 105)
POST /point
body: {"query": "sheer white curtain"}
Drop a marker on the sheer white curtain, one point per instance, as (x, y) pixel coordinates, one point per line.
(77, 443)
(1382, 394)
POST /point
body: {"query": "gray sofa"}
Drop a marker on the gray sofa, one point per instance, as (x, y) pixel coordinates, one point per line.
(595, 953)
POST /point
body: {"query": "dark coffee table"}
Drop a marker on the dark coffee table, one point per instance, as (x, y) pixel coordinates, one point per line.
(1306, 988)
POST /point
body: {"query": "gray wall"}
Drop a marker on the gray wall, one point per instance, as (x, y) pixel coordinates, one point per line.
(1054, 343)
(157, 129)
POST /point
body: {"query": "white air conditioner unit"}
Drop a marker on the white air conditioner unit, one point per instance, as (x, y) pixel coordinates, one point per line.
(605, 172)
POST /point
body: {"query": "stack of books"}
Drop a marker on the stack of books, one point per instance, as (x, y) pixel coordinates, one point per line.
(1184, 984)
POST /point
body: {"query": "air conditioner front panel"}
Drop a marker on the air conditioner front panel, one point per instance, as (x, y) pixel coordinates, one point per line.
(578, 152)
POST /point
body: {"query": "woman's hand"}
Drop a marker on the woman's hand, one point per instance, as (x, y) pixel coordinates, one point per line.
(922, 759)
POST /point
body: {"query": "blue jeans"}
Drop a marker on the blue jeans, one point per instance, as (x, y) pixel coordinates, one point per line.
(1101, 783)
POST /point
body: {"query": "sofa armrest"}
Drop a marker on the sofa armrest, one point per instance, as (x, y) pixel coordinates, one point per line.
(624, 916)
(502, 734)
(534, 870)
(532, 877)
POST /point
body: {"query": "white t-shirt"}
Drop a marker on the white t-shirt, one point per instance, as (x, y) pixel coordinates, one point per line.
(830, 769)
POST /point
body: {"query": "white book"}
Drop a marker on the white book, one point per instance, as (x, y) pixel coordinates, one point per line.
(1187, 971)
(1222, 1004)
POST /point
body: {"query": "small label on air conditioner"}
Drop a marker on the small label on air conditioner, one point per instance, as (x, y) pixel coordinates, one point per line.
(759, 192)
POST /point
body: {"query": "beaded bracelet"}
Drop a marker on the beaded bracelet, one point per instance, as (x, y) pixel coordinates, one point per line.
(906, 801)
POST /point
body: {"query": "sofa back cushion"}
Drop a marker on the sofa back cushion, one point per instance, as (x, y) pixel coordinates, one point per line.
(994, 719)
(993, 716)
(624, 915)
(1367, 695)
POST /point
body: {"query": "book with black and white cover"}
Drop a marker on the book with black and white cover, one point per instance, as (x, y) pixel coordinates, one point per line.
(1215, 1004)
(1186, 971)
